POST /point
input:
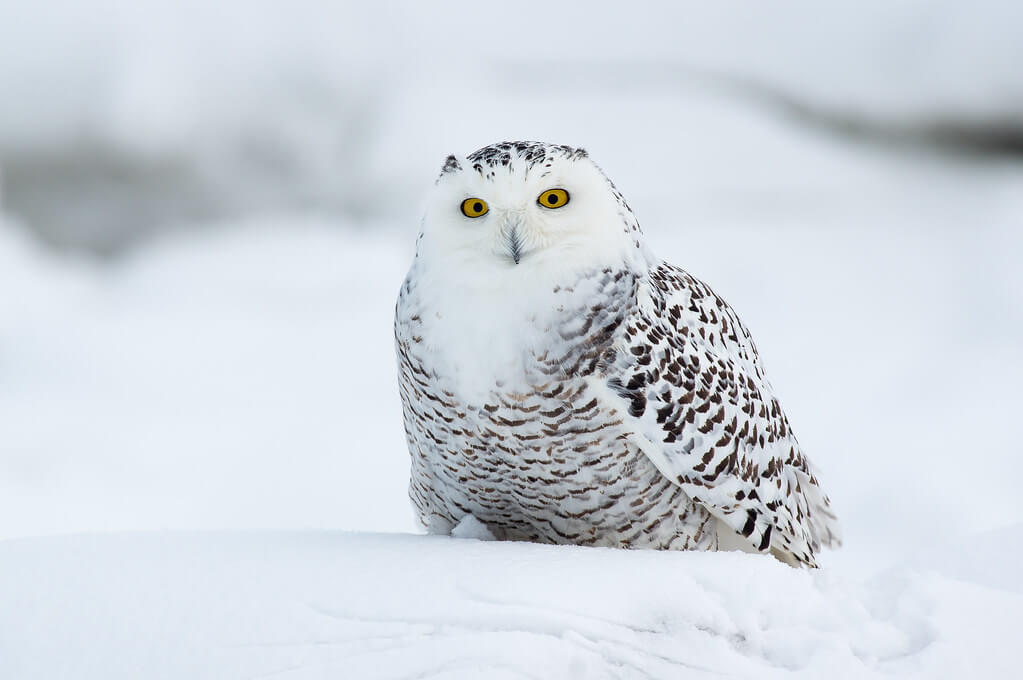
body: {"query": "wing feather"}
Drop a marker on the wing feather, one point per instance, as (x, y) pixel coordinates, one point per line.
(686, 374)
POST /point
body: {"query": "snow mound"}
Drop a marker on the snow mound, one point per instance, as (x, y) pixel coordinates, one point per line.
(470, 527)
(329, 604)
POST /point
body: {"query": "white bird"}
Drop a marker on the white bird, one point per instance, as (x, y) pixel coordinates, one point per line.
(561, 384)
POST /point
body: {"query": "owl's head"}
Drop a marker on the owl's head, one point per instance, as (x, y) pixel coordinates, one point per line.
(522, 208)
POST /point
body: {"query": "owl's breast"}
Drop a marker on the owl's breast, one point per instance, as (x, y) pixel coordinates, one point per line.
(478, 340)
(503, 423)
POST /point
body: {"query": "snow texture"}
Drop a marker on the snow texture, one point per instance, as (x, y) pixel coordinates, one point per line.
(337, 605)
(470, 527)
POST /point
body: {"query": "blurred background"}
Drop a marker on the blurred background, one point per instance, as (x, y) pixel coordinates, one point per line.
(206, 210)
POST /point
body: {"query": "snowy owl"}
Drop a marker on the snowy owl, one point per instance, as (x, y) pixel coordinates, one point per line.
(561, 384)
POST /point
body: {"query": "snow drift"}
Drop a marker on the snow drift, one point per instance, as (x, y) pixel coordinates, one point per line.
(342, 605)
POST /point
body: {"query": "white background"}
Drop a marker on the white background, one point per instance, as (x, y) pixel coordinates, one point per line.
(206, 213)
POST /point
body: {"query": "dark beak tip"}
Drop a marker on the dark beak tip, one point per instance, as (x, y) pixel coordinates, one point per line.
(514, 244)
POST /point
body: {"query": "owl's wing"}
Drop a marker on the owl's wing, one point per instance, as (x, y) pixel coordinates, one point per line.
(686, 376)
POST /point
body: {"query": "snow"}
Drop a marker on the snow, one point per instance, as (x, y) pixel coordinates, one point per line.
(470, 527)
(187, 389)
(202, 463)
(333, 604)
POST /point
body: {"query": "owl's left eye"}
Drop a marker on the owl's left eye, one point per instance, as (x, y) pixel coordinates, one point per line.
(553, 198)
(474, 207)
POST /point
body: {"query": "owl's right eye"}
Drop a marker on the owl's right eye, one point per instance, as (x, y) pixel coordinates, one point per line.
(474, 207)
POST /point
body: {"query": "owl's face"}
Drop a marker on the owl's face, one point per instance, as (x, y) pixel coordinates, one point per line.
(522, 208)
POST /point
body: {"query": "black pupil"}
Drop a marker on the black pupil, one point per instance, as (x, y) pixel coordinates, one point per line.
(552, 199)
(477, 207)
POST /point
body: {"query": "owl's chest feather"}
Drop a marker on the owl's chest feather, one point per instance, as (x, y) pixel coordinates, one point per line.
(506, 395)
(508, 427)
(482, 342)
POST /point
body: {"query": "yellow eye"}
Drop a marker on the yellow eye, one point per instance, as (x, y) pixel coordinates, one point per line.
(474, 207)
(553, 198)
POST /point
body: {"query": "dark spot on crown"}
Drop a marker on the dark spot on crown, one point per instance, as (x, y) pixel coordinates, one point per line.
(532, 153)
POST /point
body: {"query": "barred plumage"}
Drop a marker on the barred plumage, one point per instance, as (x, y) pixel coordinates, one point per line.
(582, 391)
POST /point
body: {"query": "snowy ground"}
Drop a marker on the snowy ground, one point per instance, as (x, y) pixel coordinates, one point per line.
(337, 605)
(224, 390)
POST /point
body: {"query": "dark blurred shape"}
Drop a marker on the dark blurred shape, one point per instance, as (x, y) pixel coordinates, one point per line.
(97, 198)
(1000, 137)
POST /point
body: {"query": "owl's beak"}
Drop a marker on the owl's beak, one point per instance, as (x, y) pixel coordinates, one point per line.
(513, 241)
